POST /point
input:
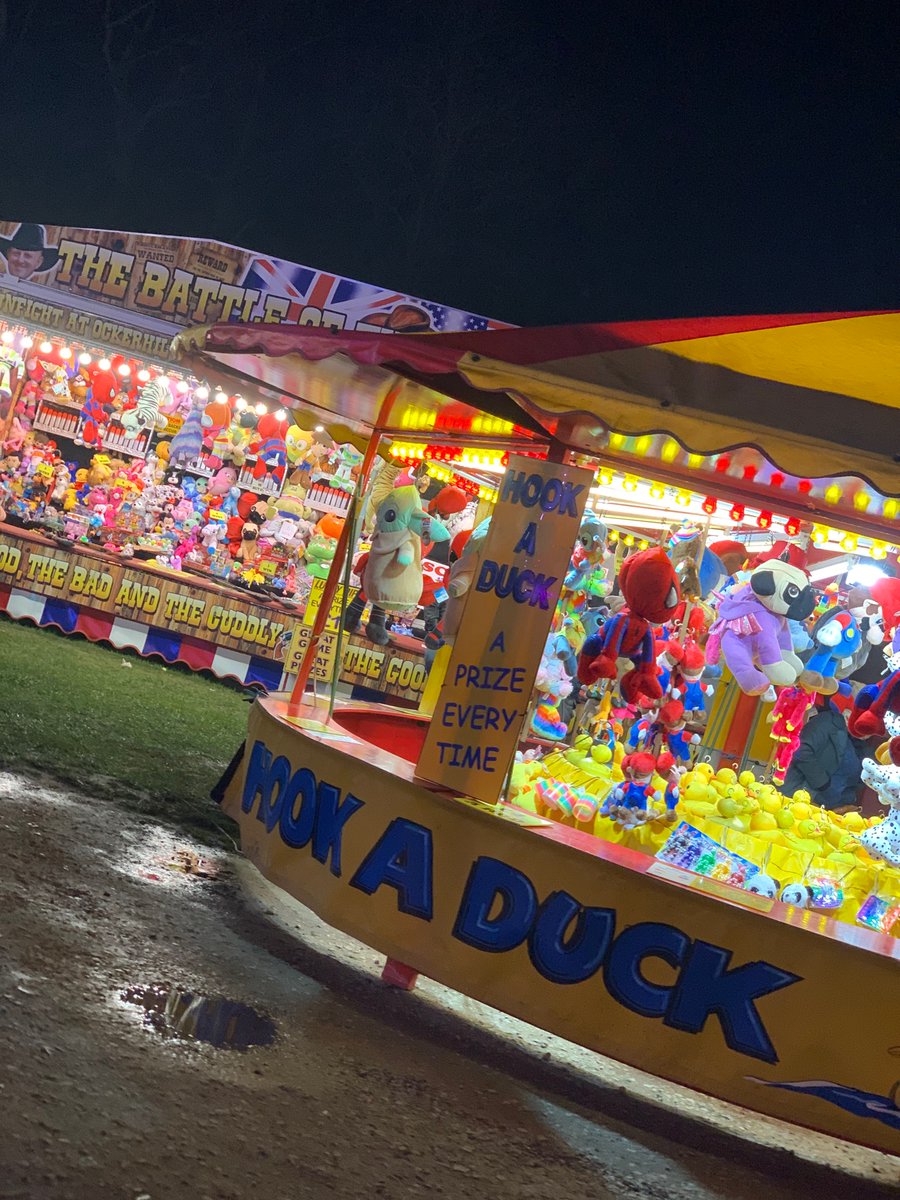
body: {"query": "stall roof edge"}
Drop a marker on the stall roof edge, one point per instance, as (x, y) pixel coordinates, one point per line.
(816, 393)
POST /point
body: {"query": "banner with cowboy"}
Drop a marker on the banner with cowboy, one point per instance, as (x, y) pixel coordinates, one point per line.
(187, 281)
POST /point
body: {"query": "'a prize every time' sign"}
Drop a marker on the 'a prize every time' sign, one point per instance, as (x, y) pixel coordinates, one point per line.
(486, 692)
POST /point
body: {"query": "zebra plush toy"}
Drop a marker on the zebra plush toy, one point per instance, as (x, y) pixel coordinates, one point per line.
(146, 413)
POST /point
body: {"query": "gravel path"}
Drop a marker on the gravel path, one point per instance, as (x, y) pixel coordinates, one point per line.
(365, 1093)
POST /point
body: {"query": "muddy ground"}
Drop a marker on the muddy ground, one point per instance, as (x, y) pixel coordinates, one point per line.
(365, 1092)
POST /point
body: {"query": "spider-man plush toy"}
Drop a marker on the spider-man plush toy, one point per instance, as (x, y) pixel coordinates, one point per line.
(650, 587)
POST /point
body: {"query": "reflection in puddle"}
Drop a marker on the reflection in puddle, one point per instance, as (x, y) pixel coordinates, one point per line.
(176, 1013)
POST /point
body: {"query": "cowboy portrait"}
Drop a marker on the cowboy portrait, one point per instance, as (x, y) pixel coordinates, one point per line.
(27, 253)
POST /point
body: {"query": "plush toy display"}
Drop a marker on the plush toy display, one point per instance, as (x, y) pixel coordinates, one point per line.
(188, 441)
(752, 627)
(146, 413)
(650, 587)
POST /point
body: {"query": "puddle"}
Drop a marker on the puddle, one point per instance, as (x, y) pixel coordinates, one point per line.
(176, 1013)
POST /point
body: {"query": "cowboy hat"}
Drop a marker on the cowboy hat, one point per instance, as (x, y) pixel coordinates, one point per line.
(32, 238)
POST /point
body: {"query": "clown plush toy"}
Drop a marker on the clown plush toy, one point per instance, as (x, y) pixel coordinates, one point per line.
(650, 587)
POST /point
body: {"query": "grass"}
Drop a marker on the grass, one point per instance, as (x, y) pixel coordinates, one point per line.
(150, 737)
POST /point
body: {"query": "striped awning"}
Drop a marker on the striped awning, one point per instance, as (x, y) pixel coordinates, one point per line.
(817, 394)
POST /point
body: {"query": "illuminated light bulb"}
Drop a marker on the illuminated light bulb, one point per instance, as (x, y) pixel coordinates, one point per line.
(613, 536)
(832, 494)
(45, 347)
(182, 386)
(819, 535)
(849, 542)
(104, 364)
(27, 342)
(617, 440)
(85, 359)
(777, 480)
(683, 498)
(7, 336)
(879, 550)
(143, 375)
(628, 539)
(804, 487)
(737, 512)
(695, 461)
(644, 546)
(750, 472)
(65, 353)
(280, 415)
(723, 462)
(710, 504)
(260, 410)
(643, 444)
(605, 478)
(320, 429)
(792, 526)
(629, 483)
(764, 520)
(670, 451)
(861, 501)
(891, 508)
(240, 404)
(657, 491)
(124, 369)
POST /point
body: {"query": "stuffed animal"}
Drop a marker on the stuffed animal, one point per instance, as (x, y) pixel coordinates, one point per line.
(882, 774)
(752, 632)
(269, 447)
(871, 706)
(686, 684)
(215, 420)
(590, 547)
(837, 643)
(146, 413)
(650, 587)
(393, 574)
(635, 795)
(697, 578)
(187, 443)
(461, 577)
(787, 722)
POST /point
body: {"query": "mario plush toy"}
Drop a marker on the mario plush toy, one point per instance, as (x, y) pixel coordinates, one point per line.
(650, 587)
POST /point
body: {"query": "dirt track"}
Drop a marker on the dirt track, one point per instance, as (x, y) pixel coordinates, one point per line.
(363, 1094)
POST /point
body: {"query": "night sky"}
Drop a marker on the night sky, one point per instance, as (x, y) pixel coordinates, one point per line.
(538, 163)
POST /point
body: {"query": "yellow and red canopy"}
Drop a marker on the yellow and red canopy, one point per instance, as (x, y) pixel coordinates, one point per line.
(817, 394)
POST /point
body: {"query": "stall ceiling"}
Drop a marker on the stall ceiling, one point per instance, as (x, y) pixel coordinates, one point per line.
(817, 394)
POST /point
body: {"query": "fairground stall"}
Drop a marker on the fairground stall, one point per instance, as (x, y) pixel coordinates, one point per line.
(190, 518)
(610, 816)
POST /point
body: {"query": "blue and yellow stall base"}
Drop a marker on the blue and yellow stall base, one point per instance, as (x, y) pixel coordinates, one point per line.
(785, 1012)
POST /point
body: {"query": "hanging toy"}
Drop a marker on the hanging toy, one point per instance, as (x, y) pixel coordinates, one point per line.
(787, 722)
(650, 588)
(590, 548)
(752, 632)
(837, 642)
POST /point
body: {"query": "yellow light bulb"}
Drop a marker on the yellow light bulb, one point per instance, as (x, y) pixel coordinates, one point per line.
(629, 483)
(861, 501)
(616, 440)
(643, 444)
(879, 550)
(670, 451)
(657, 491)
(849, 542)
(644, 546)
(695, 461)
(683, 498)
(832, 494)
(891, 508)
(629, 540)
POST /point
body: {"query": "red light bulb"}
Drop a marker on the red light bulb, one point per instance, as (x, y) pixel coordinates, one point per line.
(723, 462)
(710, 504)
(792, 526)
(737, 512)
(764, 520)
